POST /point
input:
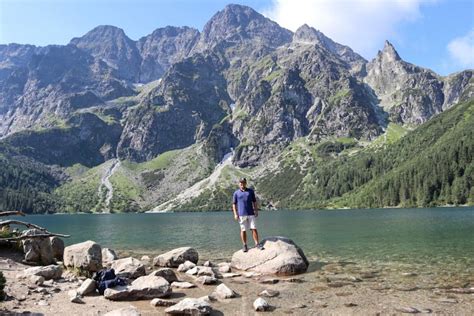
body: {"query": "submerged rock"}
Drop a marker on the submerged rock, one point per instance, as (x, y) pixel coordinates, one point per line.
(175, 257)
(281, 256)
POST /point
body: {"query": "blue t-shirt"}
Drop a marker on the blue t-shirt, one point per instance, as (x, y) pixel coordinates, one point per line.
(243, 200)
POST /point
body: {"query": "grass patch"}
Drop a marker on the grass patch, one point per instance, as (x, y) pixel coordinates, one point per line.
(163, 161)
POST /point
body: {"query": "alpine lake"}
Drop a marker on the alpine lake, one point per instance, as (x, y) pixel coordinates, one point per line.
(426, 248)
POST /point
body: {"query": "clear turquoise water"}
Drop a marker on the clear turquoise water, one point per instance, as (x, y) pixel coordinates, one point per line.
(437, 239)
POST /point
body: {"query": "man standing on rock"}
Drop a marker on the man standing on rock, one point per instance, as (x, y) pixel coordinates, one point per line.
(245, 210)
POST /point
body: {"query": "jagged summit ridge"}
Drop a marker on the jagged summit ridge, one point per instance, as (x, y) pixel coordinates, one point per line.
(236, 23)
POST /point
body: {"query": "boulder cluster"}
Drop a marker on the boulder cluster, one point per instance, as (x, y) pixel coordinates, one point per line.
(156, 281)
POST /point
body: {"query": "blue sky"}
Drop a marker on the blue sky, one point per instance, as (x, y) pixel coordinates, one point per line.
(437, 34)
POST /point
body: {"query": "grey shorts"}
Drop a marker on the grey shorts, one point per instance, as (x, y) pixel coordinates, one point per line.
(247, 222)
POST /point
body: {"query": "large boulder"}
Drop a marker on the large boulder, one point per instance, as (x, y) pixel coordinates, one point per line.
(175, 257)
(128, 268)
(145, 287)
(37, 250)
(57, 246)
(281, 256)
(190, 306)
(51, 272)
(85, 256)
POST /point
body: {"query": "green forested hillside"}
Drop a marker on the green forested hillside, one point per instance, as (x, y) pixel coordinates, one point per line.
(432, 165)
(24, 184)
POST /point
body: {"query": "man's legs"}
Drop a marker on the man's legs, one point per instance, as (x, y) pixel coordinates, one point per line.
(255, 236)
(243, 236)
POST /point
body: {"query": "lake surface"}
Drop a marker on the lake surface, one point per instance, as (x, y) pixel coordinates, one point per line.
(434, 240)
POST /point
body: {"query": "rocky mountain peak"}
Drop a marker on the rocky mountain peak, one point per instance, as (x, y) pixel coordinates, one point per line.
(389, 53)
(236, 23)
(99, 34)
(113, 46)
(306, 34)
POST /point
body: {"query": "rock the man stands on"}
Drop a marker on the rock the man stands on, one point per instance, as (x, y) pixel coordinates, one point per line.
(245, 210)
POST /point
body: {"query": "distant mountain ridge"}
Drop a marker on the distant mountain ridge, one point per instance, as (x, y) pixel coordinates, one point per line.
(244, 85)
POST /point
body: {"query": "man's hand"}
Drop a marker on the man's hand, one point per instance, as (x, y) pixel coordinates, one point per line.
(236, 217)
(256, 213)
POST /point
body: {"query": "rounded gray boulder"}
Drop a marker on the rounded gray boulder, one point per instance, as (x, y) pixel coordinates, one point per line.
(280, 256)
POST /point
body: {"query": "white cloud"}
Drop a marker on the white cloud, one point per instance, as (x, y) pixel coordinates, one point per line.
(361, 24)
(461, 50)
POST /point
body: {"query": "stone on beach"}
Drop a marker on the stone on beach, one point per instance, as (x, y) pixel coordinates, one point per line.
(36, 279)
(127, 311)
(230, 275)
(86, 256)
(205, 280)
(224, 267)
(166, 273)
(47, 272)
(190, 306)
(128, 268)
(57, 246)
(87, 287)
(187, 265)
(269, 293)
(175, 257)
(74, 297)
(223, 292)
(37, 250)
(281, 256)
(145, 287)
(205, 271)
(108, 255)
(182, 285)
(161, 302)
(260, 305)
(193, 271)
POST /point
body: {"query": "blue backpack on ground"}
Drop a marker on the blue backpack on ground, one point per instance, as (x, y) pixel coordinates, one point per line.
(106, 278)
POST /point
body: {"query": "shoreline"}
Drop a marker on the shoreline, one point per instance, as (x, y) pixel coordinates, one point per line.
(268, 210)
(331, 288)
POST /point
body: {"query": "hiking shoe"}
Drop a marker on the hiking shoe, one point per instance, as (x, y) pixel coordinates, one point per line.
(260, 246)
(245, 249)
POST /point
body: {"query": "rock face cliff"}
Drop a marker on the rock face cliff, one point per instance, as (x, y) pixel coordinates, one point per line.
(411, 94)
(243, 87)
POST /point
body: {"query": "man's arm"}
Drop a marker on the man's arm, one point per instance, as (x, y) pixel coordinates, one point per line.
(234, 209)
(255, 205)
